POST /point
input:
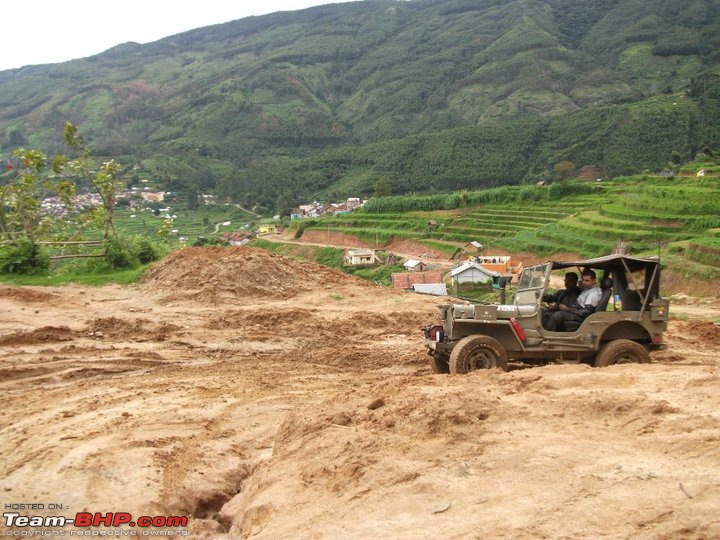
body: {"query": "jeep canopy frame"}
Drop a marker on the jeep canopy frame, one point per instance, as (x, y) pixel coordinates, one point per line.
(636, 281)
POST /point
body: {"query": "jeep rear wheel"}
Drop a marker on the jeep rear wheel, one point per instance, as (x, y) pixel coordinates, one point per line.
(439, 362)
(477, 352)
(622, 351)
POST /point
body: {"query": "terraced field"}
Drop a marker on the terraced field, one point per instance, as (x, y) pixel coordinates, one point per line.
(189, 224)
(679, 217)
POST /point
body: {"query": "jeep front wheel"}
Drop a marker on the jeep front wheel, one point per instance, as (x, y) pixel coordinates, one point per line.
(622, 351)
(477, 352)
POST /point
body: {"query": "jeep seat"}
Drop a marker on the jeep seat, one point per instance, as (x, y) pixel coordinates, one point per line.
(606, 288)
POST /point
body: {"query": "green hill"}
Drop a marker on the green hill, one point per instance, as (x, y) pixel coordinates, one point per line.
(430, 95)
(674, 216)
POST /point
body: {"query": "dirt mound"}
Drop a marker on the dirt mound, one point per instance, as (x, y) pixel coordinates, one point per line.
(697, 332)
(134, 330)
(216, 273)
(46, 334)
(27, 295)
(703, 337)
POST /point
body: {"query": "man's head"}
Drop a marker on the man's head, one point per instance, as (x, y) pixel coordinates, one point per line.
(589, 278)
(571, 279)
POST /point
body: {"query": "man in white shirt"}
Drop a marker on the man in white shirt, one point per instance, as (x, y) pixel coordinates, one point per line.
(585, 305)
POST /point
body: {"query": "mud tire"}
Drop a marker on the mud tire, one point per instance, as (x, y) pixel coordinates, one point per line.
(622, 351)
(477, 352)
(439, 362)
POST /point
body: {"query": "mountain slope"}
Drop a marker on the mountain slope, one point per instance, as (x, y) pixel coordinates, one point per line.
(251, 106)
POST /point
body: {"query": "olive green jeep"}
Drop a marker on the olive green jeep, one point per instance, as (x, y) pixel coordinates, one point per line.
(627, 323)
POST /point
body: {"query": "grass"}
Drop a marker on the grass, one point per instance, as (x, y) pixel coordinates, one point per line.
(97, 279)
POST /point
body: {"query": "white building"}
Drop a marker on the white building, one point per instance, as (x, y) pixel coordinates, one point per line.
(360, 257)
(472, 272)
(412, 265)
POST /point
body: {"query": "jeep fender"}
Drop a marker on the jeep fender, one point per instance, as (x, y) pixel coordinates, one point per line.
(500, 330)
(625, 330)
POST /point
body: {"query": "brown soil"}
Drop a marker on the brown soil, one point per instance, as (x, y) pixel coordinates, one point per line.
(333, 238)
(402, 247)
(272, 398)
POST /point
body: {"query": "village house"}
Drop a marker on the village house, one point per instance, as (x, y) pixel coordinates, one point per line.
(407, 280)
(237, 238)
(360, 257)
(316, 209)
(472, 272)
(313, 210)
(353, 203)
(412, 265)
(265, 228)
(502, 264)
(152, 196)
(473, 247)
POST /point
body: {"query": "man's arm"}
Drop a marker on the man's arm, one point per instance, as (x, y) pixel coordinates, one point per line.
(586, 302)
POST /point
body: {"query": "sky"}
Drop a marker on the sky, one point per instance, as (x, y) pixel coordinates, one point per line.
(50, 31)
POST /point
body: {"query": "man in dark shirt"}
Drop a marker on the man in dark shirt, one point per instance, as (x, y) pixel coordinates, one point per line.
(566, 296)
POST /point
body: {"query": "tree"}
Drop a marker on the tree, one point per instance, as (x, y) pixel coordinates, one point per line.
(21, 197)
(17, 139)
(704, 154)
(381, 187)
(193, 196)
(104, 181)
(564, 169)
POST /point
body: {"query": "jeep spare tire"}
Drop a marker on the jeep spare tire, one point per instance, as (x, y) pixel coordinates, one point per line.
(477, 352)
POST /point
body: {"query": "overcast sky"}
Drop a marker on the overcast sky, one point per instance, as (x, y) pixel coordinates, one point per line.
(49, 31)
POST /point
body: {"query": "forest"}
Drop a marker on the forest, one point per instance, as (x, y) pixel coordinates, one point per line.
(414, 97)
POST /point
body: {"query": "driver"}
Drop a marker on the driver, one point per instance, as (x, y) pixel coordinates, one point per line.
(566, 297)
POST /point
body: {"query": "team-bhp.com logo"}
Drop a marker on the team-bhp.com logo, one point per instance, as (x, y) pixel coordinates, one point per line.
(87, 520)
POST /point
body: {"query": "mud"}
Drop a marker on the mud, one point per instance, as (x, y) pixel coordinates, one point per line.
(272, 398)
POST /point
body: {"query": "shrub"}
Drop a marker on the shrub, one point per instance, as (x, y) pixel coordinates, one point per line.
(119, 254)
(302, 225)
(146, 250)
(23, 257)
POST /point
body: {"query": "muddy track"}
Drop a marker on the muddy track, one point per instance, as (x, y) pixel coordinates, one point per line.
(200, 393)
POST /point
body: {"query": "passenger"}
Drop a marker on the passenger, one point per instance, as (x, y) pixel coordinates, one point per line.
(566, 297)
(583, 306)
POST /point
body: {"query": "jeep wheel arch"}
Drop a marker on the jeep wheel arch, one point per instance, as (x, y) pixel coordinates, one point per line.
(477, 352)
(625, 330)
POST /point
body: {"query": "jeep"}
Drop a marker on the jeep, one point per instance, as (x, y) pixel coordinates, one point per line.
(627, 323)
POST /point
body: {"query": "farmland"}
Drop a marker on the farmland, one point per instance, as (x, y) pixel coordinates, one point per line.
(189, 224)
(676, 217)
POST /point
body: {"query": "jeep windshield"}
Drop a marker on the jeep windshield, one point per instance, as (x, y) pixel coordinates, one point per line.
(531, 283)
(533, 277)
